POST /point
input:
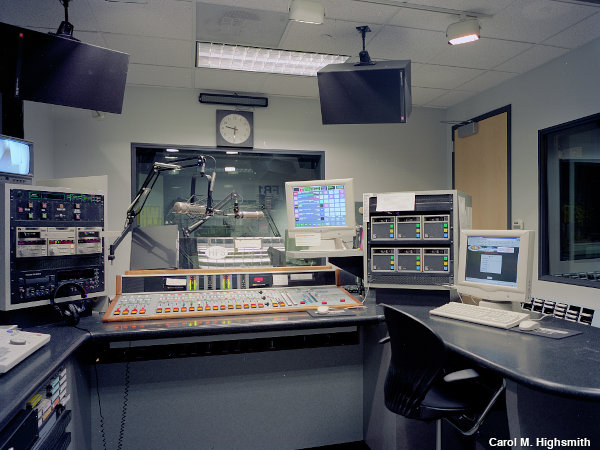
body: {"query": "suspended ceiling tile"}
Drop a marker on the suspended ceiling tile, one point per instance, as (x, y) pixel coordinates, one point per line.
(146, 75)
(290, 86)
(236, 25)
(450, 98)
(46, 14)
(424, 20)
(228, 80)
(487, 80)
(159, 18)
(363, 13)
(482, 54)
(534, 20)
(265, 5)
(333, 37)
(444, 77)
(531, 58)
(423, 96)
(407, 43)
(478, 6)
(579, 34)
(156, 51)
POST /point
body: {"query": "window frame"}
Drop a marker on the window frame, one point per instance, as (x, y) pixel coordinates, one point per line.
(543, 208)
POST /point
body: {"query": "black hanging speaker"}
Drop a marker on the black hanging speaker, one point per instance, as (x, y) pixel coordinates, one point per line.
(374, 93)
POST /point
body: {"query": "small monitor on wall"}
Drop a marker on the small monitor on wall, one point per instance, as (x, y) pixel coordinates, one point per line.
(16, 160)
(321, 210)
(496, 265)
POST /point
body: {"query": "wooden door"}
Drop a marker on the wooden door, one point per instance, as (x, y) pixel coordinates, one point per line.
(482, 169)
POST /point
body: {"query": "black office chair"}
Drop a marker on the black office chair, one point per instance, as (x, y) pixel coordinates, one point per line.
(418, 385)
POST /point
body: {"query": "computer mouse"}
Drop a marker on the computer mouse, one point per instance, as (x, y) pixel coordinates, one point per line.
(529, 325)
(322, 309)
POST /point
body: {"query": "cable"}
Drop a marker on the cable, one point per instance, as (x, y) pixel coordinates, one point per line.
(125, 401)
(102, 432)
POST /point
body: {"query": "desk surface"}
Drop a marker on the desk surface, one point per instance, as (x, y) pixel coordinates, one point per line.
(569, 366)
(18, 384)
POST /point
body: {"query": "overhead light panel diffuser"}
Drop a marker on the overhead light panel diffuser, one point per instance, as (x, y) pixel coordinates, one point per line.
(255, 59)
(463, 32)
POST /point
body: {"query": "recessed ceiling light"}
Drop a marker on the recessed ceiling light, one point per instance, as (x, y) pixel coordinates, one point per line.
(229, 169)
(268, 60)
(231, 153)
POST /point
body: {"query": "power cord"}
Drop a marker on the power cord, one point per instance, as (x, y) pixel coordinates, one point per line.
(125, 401)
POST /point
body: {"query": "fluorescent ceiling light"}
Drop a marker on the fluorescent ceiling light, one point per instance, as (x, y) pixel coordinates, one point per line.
(172, 150)
(307, 11)
(255, 59)
(463, 32)
(231, 153)
(229, 169)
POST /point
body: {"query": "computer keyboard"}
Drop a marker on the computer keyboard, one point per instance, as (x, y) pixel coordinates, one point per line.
(492, 317)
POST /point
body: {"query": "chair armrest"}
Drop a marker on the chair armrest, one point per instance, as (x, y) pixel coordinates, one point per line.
(384, 340)
(459, 375)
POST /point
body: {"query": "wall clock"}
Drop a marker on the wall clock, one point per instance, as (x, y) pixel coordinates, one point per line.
(235, 128)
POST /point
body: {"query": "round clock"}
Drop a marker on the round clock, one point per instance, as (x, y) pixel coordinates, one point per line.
(235, 128)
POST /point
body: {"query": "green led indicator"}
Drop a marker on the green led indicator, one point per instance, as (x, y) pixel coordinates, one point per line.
(445, 258)
(418, 258)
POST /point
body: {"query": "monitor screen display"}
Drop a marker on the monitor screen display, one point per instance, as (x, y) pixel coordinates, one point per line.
(492, 260)
(320, 206)
(15, 156)
(495, 265)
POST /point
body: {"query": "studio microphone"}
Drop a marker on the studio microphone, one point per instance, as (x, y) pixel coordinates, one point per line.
(188, 208)
(251, 215)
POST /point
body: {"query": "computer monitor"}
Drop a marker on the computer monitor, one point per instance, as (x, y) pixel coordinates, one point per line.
(321, 213)
(16, 160)
(496, 266)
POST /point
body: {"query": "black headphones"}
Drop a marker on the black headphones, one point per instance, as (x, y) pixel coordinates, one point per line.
(70, 312)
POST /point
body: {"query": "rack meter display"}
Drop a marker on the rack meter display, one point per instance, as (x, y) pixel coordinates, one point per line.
(52, 236)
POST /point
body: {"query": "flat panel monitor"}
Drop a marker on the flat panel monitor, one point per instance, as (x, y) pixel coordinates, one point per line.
(51, 69)
(16, 160)
(496, 265)
(324, 207)
(379, 93)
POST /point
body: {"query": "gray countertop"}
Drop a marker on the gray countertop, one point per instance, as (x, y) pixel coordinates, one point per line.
(17, 385)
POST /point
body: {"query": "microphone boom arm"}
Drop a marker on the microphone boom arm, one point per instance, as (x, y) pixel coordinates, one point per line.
(136, 206)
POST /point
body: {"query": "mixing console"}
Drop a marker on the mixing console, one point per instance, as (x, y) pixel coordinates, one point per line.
(162, 305)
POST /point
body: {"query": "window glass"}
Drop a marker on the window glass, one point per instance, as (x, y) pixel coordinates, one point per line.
(255, 178)
(569, 207)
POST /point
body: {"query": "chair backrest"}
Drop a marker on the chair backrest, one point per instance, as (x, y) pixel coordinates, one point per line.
(418, 355)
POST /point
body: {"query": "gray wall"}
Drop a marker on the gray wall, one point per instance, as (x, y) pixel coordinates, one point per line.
(381, 158)
(562, 90)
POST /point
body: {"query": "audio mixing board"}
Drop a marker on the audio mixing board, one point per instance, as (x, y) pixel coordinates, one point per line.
(162, 305)
(148, 295)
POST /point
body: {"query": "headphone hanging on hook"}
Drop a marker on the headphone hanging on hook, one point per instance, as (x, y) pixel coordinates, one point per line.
(70, 312)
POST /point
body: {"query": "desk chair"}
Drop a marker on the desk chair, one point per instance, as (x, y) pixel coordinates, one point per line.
(418, 386)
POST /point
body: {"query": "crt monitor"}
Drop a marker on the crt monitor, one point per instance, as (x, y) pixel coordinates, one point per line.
(321, 210)
(496, 265)
(16, 160)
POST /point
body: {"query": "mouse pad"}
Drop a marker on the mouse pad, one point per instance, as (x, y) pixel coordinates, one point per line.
(552, 333)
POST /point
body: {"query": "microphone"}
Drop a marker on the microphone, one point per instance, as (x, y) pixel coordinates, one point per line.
(188, 208)
(162, 165)
(251, 215)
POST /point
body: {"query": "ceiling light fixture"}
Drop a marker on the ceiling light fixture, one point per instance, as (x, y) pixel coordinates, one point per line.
(255, 59)
(462, 32)
(307, 11)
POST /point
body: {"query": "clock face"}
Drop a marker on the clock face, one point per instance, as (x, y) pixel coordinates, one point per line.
(235, 128)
